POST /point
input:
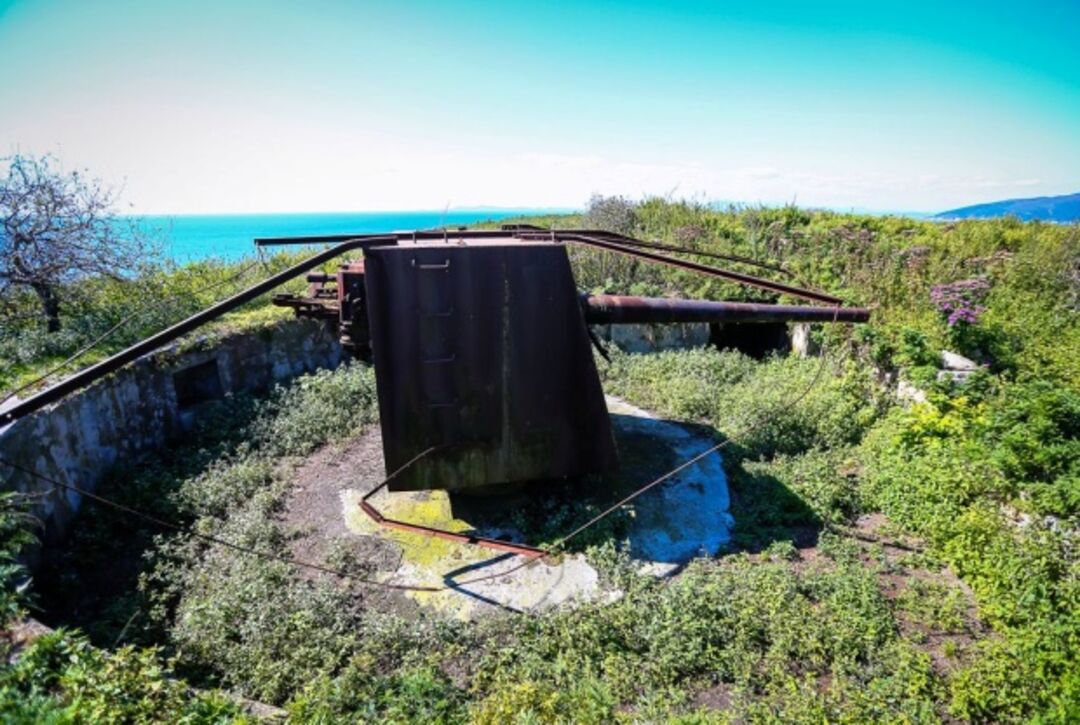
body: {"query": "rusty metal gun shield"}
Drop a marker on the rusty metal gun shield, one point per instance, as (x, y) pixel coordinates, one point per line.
(481, 349)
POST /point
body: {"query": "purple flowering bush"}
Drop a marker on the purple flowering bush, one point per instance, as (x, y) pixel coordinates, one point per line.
(961, 302)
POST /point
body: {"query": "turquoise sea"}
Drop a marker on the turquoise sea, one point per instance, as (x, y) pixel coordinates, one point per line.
(186, 238)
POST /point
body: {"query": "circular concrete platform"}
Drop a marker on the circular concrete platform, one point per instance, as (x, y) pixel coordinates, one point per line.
(685, 517)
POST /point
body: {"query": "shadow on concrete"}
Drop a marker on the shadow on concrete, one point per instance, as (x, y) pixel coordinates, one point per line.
(478, 569)
(712, 508)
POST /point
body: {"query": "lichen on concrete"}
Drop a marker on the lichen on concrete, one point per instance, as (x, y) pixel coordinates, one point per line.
(685, 517)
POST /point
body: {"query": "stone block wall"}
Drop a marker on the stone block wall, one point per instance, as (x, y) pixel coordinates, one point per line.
(146, 404)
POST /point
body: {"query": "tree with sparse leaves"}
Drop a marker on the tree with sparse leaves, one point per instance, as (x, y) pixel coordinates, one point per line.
(612, 214)
(57, 227)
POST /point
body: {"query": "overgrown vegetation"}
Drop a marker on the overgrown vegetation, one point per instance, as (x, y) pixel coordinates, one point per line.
(892, 560)
(62, 678)
(113, 313)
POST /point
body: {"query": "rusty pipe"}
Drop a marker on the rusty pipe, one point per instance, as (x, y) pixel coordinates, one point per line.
(609, 309)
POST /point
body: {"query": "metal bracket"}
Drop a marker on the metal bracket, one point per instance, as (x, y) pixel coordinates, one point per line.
(470, 539)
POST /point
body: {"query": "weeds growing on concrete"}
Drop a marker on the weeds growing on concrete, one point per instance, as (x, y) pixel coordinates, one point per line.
(891, 561)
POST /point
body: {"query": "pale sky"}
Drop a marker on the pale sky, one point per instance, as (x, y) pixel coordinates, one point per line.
(208, 107)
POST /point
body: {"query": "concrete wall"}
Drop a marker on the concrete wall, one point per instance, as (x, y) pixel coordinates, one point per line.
(138, 408)
(755, 339)
(650, 338)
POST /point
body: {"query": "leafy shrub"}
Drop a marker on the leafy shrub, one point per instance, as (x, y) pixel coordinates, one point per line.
(754, 626)
(779, 406)
(933, 469)
(611, 214)
(61, 678)
(420, 693)
(317, 408)
(984, 473)
(823, 479)
(1034, 433)
(155, 297)
(14, 536)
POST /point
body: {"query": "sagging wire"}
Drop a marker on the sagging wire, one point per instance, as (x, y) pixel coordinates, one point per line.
(348, 576)
(260, 553)
(553, 549)
(530, 558)
(210, 538)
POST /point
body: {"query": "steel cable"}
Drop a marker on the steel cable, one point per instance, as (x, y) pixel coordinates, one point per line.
(161, 523)
(273, 556)
(268, 555)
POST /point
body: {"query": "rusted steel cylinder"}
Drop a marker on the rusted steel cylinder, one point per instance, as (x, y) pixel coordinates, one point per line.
(608, 309)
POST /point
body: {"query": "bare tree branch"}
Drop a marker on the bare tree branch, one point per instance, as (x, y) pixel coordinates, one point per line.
(56, 228)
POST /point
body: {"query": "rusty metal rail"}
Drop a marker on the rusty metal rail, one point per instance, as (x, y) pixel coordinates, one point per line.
(613, 309)
(110, 364)
(677, 249)
(739, 277)
(458, 538)
(608, 241)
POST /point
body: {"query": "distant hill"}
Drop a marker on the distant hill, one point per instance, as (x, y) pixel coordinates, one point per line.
(1046, 208)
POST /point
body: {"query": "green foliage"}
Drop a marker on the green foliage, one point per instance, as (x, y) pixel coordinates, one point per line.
(251, 623)
(749, 626)
(318, 408)
(415, 693)
(946, 471)
(984, 474)
(155, 297)
(751, 402)
(15, 534)
(934, 605)
(61, 678)
(823, 480)
(1034, 434)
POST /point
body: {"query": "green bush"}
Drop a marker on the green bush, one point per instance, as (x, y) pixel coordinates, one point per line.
(318, 408)
(778, 406)
(159, 295)
(752, 627)
(982, 476)
(15, 534)
(61, 678)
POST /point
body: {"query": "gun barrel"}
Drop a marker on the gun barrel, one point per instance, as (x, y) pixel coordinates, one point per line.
(608, 309)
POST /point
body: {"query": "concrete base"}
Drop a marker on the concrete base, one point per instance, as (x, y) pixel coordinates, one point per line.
(685, 517)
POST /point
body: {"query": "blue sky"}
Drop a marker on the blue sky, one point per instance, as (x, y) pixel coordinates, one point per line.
(272, 106)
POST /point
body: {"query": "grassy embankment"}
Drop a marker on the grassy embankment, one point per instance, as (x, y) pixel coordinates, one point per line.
(891, 561)
(159, 295)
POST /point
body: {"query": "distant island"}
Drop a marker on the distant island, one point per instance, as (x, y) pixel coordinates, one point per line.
(1064, 208)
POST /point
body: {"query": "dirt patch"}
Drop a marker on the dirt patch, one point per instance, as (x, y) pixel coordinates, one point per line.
(314, 520)
(919, 595)
(686, 517)
(713, 699)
